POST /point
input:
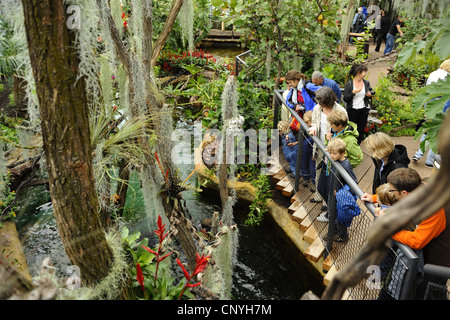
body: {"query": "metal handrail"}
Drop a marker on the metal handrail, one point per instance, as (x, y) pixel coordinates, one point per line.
(238, 60)
(412, 258)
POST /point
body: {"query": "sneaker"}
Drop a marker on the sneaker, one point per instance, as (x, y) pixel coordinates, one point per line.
(428, 165)
(322, 217)
(415, 159)
(305, 183)
(324, 208)
(338, 238)
(313, 188)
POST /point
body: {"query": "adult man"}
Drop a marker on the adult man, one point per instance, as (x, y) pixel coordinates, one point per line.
(358, 24)
(359, 21)
(393, 32)
(431, 235)
(319, 80)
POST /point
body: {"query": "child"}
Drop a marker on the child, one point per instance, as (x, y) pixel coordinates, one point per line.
(385, 196)
(346, 207)
(308, 164)
(289, 145)
(347, 131)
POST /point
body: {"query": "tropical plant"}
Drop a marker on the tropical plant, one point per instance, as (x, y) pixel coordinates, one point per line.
(433, 97)
(153, 277)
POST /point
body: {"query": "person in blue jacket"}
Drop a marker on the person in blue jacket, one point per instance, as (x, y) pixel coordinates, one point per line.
(319, 80)
(301, 95)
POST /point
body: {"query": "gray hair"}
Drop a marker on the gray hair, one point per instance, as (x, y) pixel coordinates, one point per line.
(316, 75)
(326, 97)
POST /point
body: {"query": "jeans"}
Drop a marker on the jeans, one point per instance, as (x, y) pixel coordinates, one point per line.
(430, 156)
(390, 41)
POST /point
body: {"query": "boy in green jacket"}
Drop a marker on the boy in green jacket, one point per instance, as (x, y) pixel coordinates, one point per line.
(347, 131)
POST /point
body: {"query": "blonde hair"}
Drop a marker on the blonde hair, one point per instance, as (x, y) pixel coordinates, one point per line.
(337, 145)
(307, 116)
(445, 65)
(283, 126)
(338, 117)
(380, 144)
(384, 195)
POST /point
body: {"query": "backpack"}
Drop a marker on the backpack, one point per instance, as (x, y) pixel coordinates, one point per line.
(360, 19)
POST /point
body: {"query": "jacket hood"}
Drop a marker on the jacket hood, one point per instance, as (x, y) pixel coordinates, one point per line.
(399, 155)
(350, 130)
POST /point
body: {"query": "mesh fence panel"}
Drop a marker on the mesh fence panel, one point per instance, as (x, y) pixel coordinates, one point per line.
(342, 221)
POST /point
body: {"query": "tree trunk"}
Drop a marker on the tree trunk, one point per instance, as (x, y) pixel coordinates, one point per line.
(65, 129)
(171, 17)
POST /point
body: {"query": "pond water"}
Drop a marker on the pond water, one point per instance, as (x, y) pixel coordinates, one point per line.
(267, 267)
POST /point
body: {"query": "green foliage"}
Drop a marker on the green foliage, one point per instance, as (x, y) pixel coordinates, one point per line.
(393, 109)
(201, 24)
(258, 207)
(9, 50)
(172, 63)
(288, 28)
(337, 72)
(414, 75)
(436, 42)
(255, 104)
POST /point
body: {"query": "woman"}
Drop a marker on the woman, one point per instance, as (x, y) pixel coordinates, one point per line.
(320, 126)
(357, 96)
(386, 156)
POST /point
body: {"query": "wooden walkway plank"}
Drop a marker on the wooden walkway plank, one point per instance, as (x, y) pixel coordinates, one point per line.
(294, 207)
(300, 214)
(315, 250)
(305, 224)
(283, 183)
(310, 235)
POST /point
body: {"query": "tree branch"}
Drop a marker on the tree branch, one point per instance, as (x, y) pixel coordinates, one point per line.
(173, 13)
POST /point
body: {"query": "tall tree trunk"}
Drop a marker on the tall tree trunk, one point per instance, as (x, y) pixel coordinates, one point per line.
(65, 129)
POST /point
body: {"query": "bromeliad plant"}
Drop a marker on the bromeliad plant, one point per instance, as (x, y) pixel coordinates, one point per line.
(151, 273)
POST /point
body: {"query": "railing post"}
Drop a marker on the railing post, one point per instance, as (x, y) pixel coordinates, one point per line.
(276, 109)
(298, 164)
(331, 208)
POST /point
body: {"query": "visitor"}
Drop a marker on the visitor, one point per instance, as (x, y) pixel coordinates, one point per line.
(385, 25)
(386, 156)
(359, 21)
(319, 80)
(357, 96)
(431, 234)
(285, 113)
(439, 74)
(289, 146)
(347, 131)
(385, 196)
(320, 127)
(394, 30)
(308, 164)
(393, 265)
(301, 94)
(377, 29)
(346, 206)
(358, 24)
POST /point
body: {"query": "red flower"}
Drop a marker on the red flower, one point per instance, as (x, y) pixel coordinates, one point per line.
(123, 15)
(140, 276)
(201, 264)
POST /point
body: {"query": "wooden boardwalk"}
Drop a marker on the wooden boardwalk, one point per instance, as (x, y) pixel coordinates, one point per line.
(305, 213)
